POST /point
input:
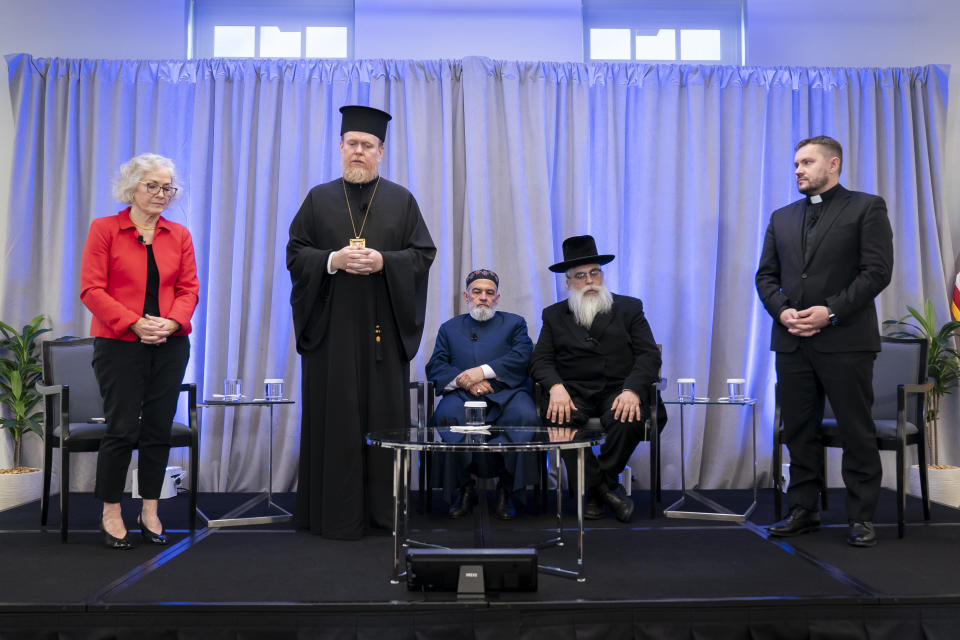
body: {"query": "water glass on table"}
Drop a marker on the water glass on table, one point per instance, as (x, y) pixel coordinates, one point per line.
(232, 388)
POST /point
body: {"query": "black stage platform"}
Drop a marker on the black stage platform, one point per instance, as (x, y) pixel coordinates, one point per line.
(662, 578)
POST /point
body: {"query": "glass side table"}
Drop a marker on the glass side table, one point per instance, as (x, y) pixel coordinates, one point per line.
(719, 512)
(405, 441)
(275, 513)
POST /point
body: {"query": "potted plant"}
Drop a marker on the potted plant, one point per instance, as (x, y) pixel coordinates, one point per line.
(943, 369)
(20, 370)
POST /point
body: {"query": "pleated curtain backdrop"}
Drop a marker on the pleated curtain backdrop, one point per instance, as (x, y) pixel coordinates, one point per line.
(673, 168)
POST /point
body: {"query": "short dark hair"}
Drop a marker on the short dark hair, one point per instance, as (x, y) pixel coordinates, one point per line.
(829, 143)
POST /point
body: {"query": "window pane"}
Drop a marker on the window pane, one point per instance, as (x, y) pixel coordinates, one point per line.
(610, 44)
(279, 44)
(660, 46)
(234, 42)
(700, 44)
(326, 42)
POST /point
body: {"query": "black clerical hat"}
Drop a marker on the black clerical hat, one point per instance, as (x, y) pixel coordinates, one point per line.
(579, 250)
(365, 119)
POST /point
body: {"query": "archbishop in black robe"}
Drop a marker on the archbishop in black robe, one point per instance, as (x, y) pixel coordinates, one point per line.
(356, 335)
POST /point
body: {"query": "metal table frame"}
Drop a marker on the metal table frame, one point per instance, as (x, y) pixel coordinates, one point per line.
(420, 440)
(280, 514)
(719, 512)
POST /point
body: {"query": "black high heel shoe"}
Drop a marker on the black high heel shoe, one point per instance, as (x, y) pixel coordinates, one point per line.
(112, 542)
(150, 536)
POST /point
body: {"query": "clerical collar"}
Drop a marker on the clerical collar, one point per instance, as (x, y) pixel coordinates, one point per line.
(826, 196)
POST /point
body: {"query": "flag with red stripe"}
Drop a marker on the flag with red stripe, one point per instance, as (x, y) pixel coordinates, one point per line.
(955, 304)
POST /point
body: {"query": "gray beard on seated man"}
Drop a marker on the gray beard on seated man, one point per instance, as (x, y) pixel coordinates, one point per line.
(587, 307)
(481, 313)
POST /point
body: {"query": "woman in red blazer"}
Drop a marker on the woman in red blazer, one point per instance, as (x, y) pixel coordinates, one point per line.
(138, 277)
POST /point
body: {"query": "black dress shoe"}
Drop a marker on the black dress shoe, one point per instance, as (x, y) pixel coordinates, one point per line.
(592, 510)
(799, 521)
(505, 509)
(465, 502)
(150, 536)
(861, 534)
(111, 542)
(618, 501)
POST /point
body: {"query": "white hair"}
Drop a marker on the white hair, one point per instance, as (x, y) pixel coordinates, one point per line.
(481, 314)
(133, 170)
(586, 308)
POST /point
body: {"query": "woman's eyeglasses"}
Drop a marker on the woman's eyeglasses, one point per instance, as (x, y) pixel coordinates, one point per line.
(153, 189)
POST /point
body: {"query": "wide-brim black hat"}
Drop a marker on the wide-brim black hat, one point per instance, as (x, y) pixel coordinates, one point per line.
(365, 119)
(578, 250)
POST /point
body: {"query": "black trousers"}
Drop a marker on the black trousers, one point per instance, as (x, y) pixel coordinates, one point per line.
(804, 378)
(140, 385)
(621, 438)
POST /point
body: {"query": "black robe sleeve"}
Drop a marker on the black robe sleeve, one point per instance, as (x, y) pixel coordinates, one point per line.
(307, 263)
(406, 271)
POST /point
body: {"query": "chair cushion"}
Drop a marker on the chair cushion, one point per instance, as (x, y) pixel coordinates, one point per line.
(886, 429)
(83, 431)
(180, 435)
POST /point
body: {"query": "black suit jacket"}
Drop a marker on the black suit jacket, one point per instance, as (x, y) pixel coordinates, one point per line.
(849, 263)
(618, 351)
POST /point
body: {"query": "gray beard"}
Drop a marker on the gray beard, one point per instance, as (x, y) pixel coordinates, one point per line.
(586, 308)
(481, 314)
(358, 175)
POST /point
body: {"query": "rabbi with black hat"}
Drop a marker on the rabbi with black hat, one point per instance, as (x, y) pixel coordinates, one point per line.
(358, 256)
(594, 356)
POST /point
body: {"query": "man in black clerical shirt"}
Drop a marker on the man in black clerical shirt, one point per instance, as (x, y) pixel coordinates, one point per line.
(358, 256)
(825, 258)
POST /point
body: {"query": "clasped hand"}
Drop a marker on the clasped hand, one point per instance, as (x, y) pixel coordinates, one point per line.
(473, 381)
(806, 322)
(153, 329)
(359, 261)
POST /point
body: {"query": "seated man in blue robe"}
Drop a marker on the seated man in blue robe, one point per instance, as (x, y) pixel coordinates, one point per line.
(483, 355)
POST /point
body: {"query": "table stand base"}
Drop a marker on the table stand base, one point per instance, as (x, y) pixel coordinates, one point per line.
(234, 518)
(719, 512)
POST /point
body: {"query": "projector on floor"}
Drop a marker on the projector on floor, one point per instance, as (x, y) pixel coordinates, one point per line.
(172, 479)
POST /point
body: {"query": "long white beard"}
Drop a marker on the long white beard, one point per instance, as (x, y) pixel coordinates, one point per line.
(481, 314)
(359, 175)
(586, 308)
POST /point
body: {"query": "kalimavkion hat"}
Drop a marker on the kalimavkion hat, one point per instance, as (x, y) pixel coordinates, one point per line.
(365, 119)
(579, 250)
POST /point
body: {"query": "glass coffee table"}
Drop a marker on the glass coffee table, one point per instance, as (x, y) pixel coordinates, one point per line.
(404, 442)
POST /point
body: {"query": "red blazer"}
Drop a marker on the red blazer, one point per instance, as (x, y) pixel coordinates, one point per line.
(113, 275)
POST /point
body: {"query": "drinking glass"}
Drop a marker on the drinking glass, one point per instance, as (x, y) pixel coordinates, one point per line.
(232, 388)
(476, 413)
(273, 388)
(736, 389)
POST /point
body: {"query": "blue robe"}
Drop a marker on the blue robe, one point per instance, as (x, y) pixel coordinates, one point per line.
(504, 344)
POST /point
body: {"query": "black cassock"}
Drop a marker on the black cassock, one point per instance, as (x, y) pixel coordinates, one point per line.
(352, 383)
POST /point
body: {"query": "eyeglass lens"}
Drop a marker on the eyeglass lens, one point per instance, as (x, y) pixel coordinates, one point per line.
(153, 188)
(582, 275)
